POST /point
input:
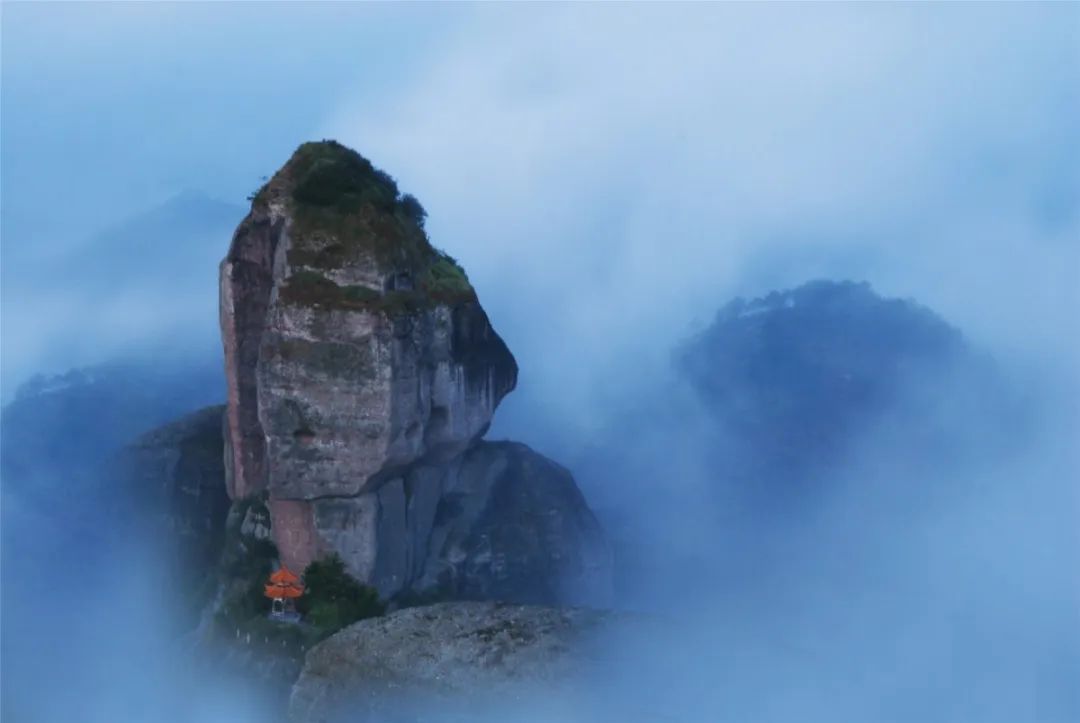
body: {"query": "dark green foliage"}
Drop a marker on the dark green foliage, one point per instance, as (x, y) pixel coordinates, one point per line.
(795, 376)
(248, 569)
(341, 198)
(399, 303)
(360, 294)
(246, 563)
(310, 286)
(413, 210)
(814, 355)
(334, 599)
(344, 211)
(329, 174)
(446, 282)
(260, 193)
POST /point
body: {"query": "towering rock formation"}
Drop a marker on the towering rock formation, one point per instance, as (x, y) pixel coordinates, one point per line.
(362, 373)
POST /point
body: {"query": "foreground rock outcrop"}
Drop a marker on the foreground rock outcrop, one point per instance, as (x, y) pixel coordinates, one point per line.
(362, 373)
(451, 661)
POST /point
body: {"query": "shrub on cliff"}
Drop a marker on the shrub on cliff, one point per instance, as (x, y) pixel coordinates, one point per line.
(329, 174)
(247, 568)
(413, 210)
(245, 564)
(334, 599)
(338, 194)
(446, 282)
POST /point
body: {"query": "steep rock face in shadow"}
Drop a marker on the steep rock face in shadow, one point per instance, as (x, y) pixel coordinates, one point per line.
(362, 373)
(499, 522)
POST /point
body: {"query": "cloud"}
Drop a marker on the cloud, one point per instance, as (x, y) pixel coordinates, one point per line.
(609, 174)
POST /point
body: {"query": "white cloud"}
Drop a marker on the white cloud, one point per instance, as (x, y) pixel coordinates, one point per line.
(607, 173)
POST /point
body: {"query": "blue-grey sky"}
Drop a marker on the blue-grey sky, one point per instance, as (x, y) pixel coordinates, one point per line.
(608, 174)
(112, 107)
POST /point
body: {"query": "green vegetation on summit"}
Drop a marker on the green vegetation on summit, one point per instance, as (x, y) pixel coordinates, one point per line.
(348, 213)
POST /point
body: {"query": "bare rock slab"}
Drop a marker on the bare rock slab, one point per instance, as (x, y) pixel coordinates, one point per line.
(450, 661)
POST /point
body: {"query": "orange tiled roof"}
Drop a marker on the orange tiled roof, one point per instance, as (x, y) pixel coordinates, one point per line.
(283, 584)
(284, 576)
(282, 591)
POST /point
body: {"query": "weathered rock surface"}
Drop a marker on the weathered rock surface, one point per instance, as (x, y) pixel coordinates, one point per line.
(499, 522)
(353, 348)
(451, 661)
(362, 373)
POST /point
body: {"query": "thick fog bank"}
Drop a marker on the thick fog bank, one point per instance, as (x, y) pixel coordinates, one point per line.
(884, 607)
(924, 570)
(91, 635)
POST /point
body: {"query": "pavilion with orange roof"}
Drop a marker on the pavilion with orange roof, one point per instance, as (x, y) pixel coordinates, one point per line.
(283, 588)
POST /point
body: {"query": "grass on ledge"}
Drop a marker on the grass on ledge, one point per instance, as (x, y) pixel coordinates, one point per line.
(444, 283)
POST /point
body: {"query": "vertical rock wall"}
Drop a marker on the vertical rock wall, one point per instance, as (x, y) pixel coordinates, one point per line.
(362, 373)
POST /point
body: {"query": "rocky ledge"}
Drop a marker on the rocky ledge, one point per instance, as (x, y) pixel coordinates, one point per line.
(451, 661)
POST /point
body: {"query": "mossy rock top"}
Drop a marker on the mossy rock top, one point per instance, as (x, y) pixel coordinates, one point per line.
(347, 212)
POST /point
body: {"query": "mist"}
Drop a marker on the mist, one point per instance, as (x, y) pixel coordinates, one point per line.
(610, 177)
(899, 591)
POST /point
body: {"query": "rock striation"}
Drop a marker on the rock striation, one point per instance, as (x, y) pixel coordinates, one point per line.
(362, 373)
(499, 522)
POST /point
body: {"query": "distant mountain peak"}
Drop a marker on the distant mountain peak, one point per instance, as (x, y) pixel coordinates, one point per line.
(797, 373)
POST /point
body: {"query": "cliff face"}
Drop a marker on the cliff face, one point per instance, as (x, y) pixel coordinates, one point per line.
(499, 522)
(360, 366)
